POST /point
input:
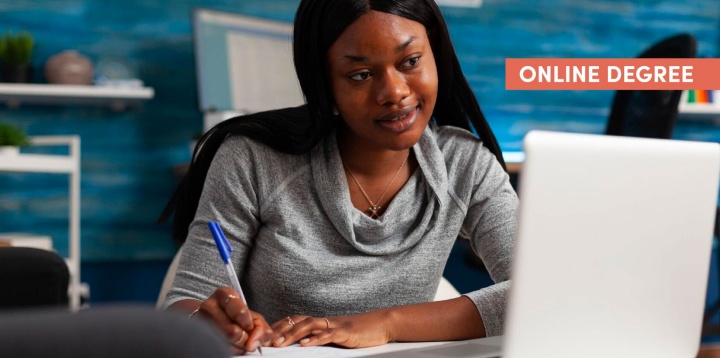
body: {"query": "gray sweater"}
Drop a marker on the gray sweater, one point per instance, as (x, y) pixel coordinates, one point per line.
(301, 247)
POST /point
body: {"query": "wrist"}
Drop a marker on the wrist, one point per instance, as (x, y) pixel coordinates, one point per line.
(189, 307)
(389, 320)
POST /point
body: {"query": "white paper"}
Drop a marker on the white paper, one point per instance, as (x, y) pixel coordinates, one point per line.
(323, 351)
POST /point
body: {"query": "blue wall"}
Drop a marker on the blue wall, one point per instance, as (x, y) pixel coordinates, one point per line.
(127, 157)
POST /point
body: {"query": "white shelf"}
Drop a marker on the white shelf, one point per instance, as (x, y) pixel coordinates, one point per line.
(700, 108)
(117, 98)
(460, 3)
(61, 164)
(36, 163)
(707, 111)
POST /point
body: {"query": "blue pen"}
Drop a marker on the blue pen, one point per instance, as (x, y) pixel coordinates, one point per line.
(225, 249)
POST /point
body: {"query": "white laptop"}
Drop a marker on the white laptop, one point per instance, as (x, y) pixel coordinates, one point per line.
(613, 250)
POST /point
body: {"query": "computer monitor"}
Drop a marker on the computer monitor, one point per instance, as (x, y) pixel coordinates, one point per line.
(243, 64)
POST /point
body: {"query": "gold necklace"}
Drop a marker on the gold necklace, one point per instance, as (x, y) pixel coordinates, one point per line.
(374, 207)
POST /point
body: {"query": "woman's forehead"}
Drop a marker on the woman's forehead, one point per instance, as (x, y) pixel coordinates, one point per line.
(378, 31)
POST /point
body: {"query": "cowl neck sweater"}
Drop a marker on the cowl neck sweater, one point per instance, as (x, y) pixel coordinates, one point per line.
(408, 215)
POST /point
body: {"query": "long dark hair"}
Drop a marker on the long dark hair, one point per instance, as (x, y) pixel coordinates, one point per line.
(318, 24)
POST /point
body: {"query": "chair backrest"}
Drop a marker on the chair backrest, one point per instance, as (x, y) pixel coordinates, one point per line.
(651, 114)
(32, 277)
(169, 278)
(109, 332)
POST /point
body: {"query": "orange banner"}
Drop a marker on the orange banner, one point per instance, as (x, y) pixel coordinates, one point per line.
(612, 74)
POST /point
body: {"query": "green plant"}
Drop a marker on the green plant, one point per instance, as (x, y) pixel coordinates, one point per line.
(16, 48)
(12, 136)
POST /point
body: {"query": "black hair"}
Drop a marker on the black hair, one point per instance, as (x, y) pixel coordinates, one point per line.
(318, 24)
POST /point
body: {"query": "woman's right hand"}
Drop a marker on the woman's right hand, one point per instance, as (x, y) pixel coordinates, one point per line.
(230, 314)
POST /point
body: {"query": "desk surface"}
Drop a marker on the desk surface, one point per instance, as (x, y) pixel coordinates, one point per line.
(709, 351)
(513, 160)
(296, 351)
(706, 351)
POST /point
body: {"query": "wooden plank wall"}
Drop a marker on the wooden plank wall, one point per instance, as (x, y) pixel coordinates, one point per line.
(127, 157)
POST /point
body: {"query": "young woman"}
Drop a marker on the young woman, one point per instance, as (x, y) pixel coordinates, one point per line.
(342, 212)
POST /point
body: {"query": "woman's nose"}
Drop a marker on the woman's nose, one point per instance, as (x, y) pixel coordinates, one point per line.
(392, 88)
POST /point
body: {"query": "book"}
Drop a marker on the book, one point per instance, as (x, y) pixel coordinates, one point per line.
(25, 240)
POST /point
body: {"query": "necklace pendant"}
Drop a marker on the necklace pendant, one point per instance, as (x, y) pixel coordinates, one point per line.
(373, 211)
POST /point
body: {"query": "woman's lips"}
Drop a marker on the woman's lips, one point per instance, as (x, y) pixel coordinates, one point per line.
(399, 121)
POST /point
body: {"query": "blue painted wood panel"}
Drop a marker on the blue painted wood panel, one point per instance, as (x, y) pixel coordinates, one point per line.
(127, 157)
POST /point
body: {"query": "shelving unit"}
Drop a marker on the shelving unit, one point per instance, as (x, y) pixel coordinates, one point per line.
(703, 111)
(58, 164)
(117, 98)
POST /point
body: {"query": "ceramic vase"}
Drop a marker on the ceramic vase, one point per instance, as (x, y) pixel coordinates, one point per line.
(69, 68)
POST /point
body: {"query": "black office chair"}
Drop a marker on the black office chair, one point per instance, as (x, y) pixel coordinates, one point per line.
(109, 332)
(31, 278)
(651, 114)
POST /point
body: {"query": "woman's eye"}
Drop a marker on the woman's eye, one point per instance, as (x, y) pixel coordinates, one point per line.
(411, 62)
(360, 76)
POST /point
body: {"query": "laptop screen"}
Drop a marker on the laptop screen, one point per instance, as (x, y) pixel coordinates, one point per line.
(614, 243)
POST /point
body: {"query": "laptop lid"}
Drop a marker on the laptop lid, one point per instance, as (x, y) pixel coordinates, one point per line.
(613, 249)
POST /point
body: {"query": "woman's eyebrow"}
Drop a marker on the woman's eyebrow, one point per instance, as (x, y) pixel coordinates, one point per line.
(354, 58)
(405, 44)
(400, 48)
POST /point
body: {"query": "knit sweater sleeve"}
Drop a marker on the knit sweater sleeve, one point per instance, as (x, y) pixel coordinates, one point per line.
(230, 197)
(490, 224)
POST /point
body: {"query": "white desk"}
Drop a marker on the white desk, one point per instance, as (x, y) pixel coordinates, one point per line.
(710, 350)
(322, 351)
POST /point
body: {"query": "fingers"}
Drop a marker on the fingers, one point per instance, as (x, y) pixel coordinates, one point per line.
(261, 335)
(324, 337)
(212, 309)
(327, 336)
(238, 346)
(282, 326)
(245, 330)
(238, 312)
(294, 328)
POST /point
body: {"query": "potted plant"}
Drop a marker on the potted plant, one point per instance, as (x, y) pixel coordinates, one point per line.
(11, 139)
(15, 55)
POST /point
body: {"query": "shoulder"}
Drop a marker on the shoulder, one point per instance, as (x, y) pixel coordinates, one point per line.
(472, 172)
(243, 148)
(469, 165)
(242, 154)
(453, 138)
(461, 147)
